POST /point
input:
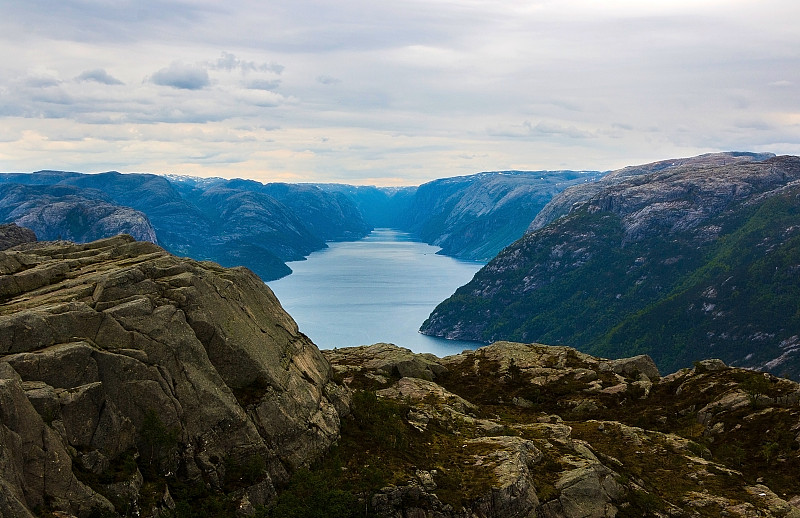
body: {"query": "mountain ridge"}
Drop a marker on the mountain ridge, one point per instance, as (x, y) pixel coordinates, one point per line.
(587, 275)
(263, 226)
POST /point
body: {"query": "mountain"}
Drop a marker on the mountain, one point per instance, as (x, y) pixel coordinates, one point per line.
(231, 222)
(137, 383)
(381, 207)
(681, 262)
(474, 217)
(66, 212)
(262, 226)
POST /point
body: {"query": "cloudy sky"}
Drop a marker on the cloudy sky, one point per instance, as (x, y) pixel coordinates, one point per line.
(391, 92)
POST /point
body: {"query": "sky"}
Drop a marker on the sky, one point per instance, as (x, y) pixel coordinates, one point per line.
(391, 92)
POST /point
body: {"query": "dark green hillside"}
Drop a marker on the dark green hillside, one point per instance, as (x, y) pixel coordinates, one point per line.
(590, 286)
(682, 265)
(744, 300)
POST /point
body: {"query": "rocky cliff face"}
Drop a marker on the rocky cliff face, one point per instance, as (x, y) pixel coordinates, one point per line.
(474, 217)
(681, 262)
(565, 201)
(521, 430)
(133, 381)
(13, 235)
(65, 212)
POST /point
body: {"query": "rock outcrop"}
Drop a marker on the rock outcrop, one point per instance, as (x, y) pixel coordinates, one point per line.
(13, 235)
(129, 374)
(682, 261)
(521, 430)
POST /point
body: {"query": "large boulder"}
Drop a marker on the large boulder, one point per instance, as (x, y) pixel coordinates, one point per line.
(13, 235)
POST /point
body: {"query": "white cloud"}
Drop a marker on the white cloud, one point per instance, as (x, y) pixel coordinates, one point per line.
(98, 75)
(405, 89)
(182, 76)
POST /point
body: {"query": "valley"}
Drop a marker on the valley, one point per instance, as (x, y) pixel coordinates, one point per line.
(139, 382)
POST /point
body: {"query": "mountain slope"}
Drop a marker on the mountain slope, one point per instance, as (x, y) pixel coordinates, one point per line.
(230, 222)
(657, 263)
(66, 212)
(474, 217)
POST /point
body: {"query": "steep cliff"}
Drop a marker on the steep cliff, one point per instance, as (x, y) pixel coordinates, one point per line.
(65, 212)
(476, 216)
(681, 263)
(136, 382)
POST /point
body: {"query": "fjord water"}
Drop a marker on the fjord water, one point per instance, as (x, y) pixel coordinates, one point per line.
(378, 289)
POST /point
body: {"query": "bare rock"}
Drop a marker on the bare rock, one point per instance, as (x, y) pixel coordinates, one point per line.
(116, 335)
(13, 235)
(388, 360)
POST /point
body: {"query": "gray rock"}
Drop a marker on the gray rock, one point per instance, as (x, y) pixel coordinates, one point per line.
(387, 360)
(127, 336)
(632, 367)
(13, 235)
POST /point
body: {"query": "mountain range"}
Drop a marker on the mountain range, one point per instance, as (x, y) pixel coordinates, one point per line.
(263, 226)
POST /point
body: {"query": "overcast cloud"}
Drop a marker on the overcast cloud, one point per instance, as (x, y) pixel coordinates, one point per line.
(391, 92)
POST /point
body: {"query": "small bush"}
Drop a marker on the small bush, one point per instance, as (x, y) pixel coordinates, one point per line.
(310, 495)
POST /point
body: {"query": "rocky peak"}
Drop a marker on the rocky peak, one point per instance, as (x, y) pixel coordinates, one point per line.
(645, 183)
(131, 373)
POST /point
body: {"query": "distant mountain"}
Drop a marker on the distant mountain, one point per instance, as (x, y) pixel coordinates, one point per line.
(66, 212)
(232, 222)
(381, 207)
(262, 226)
(474, 217)
(681, 260)
(470, 217)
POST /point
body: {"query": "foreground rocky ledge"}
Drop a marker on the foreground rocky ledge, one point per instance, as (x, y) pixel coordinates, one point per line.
(135, 383)
(118, 359)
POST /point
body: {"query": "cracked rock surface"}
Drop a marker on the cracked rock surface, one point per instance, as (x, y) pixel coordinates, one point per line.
(125, 351)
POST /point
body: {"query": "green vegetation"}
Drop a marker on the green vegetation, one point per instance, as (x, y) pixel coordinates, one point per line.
(675, 296)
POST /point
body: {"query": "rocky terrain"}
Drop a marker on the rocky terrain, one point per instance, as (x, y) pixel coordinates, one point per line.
(136, 383)
(133, 382)
(521, 430)
(13, 235)
(682, 261)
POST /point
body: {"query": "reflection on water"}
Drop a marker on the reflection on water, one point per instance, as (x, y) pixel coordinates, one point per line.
(378, 289)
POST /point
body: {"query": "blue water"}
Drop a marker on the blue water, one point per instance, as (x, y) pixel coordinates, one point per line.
(378, 289)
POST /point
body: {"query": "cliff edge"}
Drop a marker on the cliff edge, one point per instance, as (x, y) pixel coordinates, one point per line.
(131, 379)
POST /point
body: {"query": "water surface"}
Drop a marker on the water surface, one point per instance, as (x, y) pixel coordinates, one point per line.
(378, 289)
